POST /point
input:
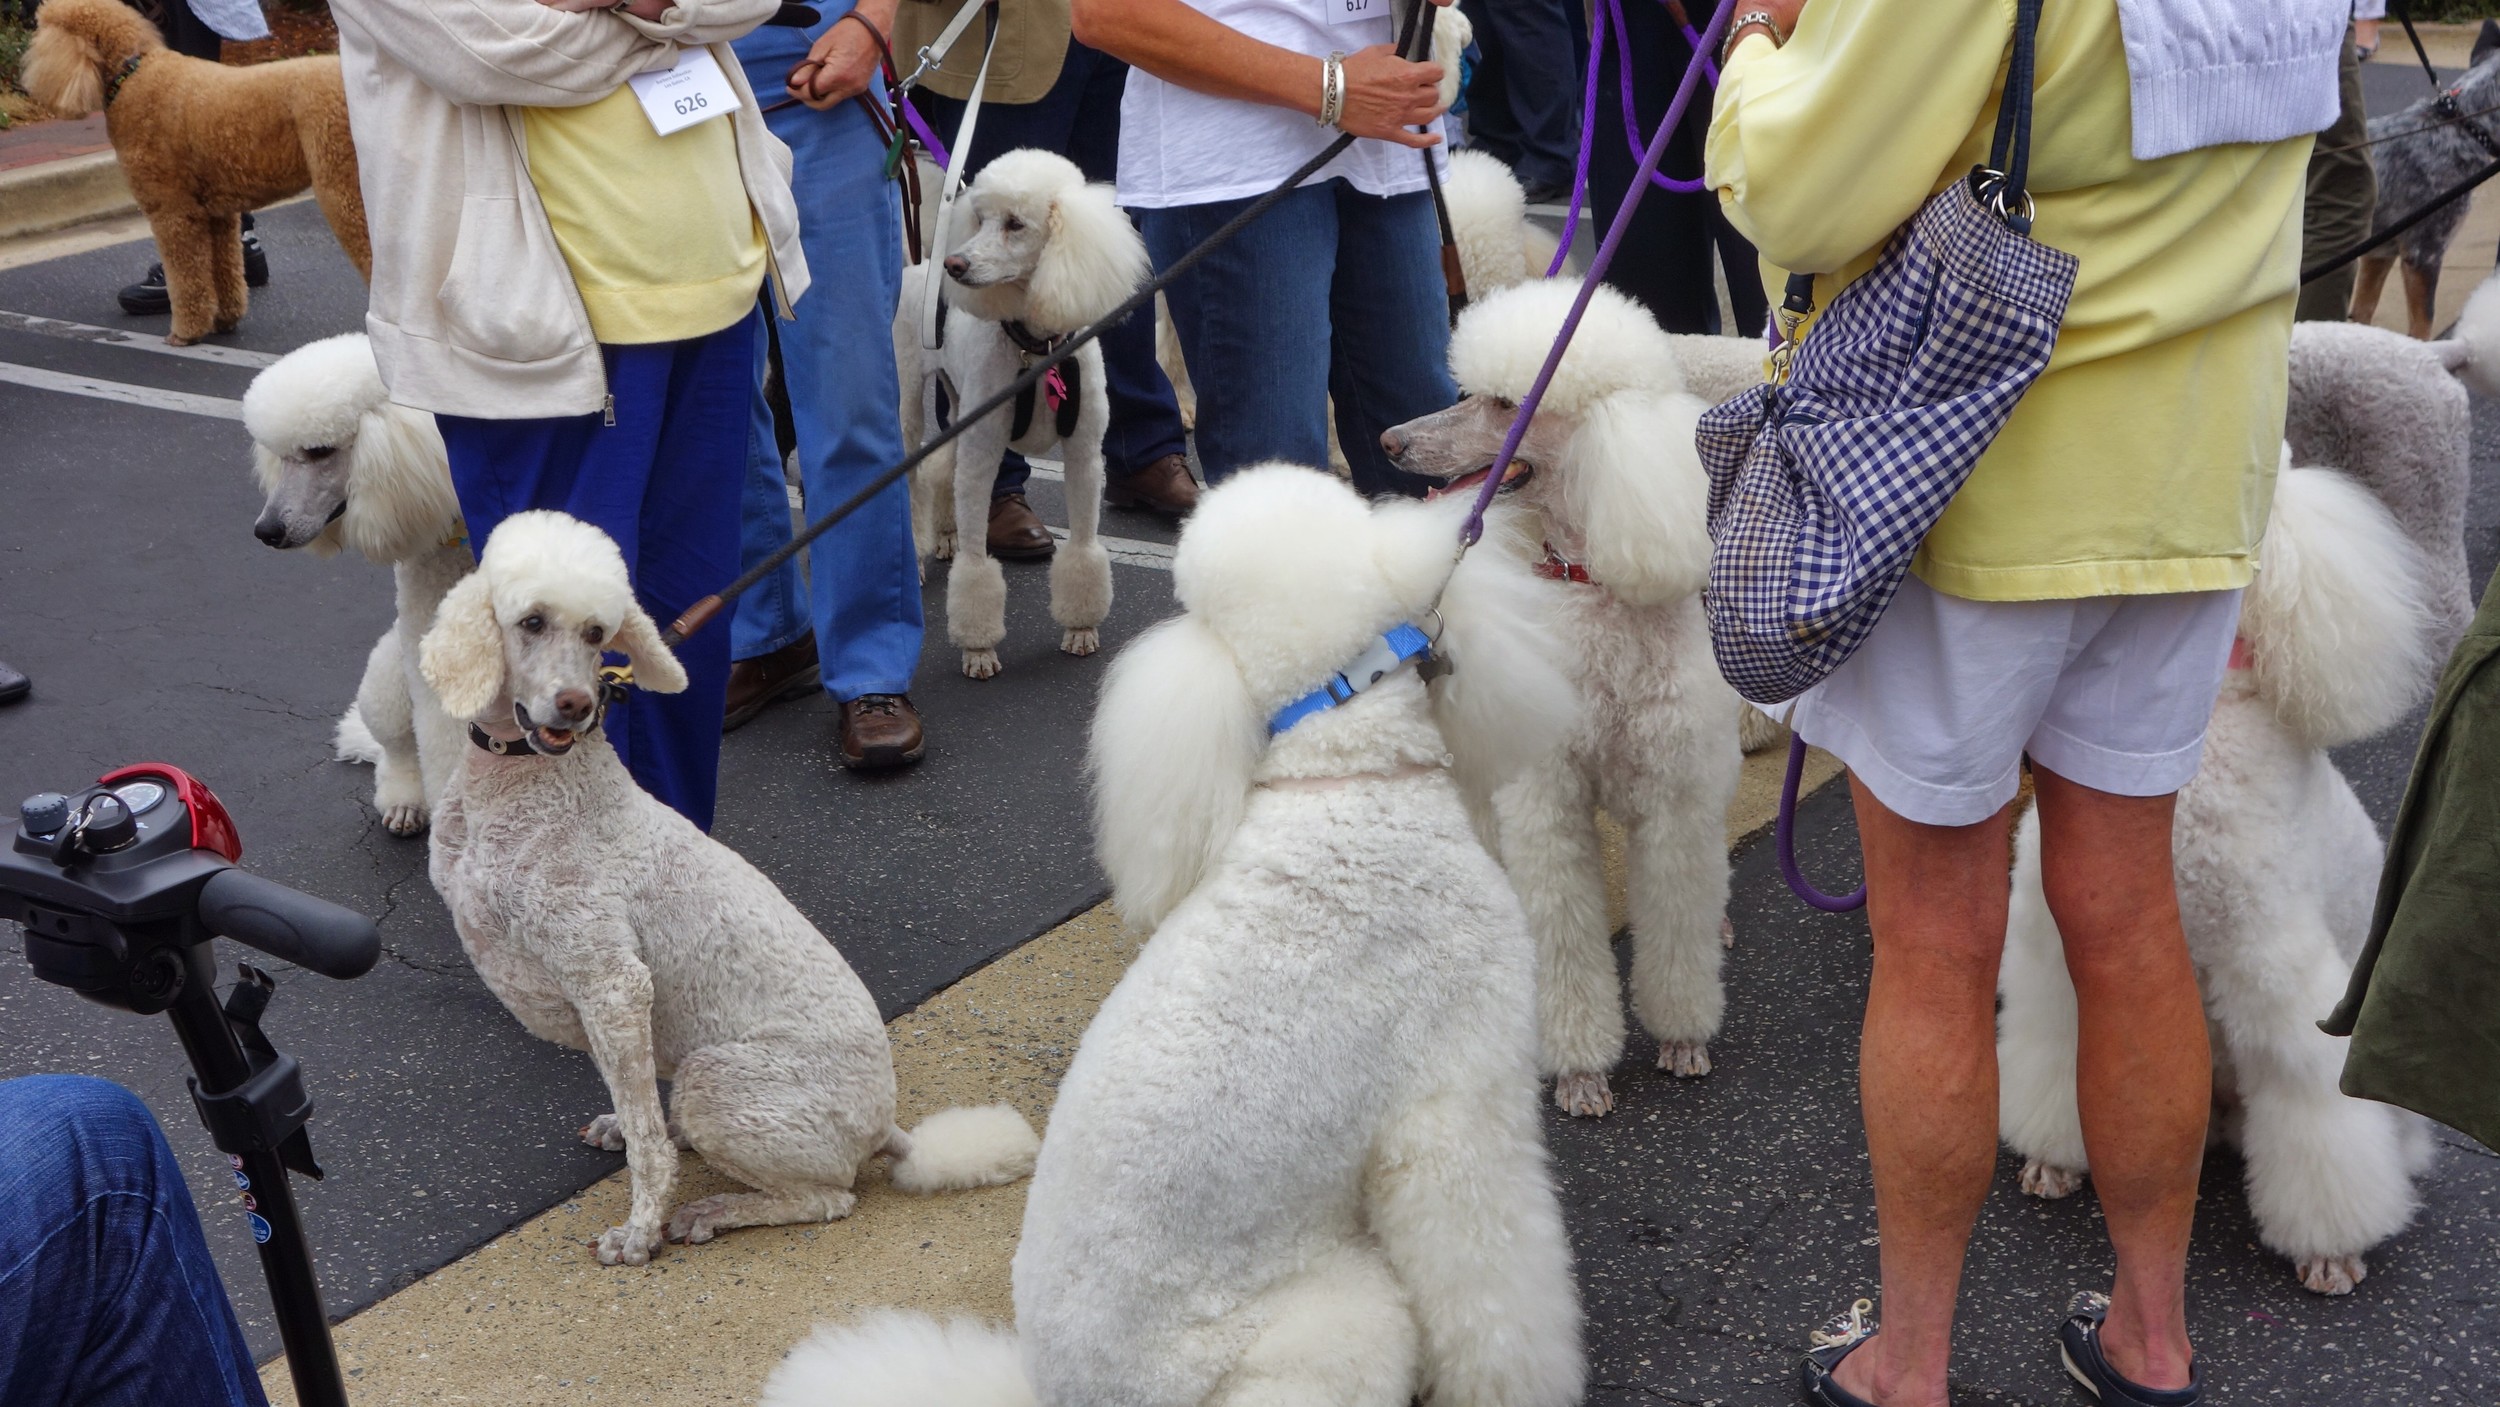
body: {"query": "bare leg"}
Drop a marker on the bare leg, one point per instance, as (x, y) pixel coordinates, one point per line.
(2144, 1071)
(1927, 1078)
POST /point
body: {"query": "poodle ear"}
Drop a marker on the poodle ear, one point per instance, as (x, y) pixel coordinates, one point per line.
(1415, 544)
(655, 668)
(2338, 620)
(62, 71)
(400, 499)
(1093, 259)
(1640, 495)
(1175, 741)
(462, 655)
(1509, 701)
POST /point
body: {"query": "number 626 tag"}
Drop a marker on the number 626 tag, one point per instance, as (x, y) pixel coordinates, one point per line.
(693, 91)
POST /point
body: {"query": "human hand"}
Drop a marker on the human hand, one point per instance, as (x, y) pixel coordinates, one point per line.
(1385, 95)
(2365, 37)
(839, 66)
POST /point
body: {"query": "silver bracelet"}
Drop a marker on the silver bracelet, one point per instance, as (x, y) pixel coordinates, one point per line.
(1736, 30)
(1332, 90)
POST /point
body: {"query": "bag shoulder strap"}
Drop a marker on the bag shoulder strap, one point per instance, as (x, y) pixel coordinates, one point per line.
(2003, 182)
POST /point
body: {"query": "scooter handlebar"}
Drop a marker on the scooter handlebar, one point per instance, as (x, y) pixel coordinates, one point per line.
(288, 925)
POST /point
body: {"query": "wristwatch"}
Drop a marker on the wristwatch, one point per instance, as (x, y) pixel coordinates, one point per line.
(1763, 20)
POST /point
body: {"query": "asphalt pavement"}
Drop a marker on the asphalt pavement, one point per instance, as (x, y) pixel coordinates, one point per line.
(1717, 1221)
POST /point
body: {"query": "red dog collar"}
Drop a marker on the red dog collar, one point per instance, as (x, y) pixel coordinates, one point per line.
(1556, 567)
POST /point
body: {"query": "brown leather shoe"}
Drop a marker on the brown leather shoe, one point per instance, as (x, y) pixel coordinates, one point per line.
(880, 731)
(1016, 531)
(1161, 487)
(759, 683)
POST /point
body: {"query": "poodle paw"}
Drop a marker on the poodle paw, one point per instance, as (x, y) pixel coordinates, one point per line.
(697, 1222)
(2332, 1275)
(1080, 641)
(1584, 1095)
(2045, 1181)
(628, 1245)
(1727, 933)
(606, 1131)
(404, 820)
(1686, 1060)
(980, 664)
(943, 546)
(175, 339)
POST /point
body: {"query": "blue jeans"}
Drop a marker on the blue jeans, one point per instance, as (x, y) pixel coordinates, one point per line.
(862, 593)
(1330, 293)
(664, 481)
(1079, 118)
(108, 1297)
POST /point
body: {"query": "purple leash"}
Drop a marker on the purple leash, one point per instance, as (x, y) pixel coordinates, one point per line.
(1474, 526)
(928, 139)
(1473, 529)
(1787, 839)
(1701, 48)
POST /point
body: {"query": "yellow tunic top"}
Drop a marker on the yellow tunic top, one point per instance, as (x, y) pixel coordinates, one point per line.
(2143, 460)
(657, 230)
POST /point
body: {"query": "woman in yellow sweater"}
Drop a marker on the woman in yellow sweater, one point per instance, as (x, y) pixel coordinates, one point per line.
(2076, 604)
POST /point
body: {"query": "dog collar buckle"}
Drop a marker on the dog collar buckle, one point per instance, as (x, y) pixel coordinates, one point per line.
(1386, 654)
(1557, 567)
(500, 747)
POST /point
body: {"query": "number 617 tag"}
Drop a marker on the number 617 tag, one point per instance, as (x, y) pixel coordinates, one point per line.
(693, 91)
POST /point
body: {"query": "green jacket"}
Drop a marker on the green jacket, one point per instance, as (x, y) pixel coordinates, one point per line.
(2424, 1007)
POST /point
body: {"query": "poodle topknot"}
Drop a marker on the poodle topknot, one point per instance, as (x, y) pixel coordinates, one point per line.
(1091, 256)
(1502, 340)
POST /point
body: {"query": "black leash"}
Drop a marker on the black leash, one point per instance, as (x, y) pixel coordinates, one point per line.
(2316, 272)
(2404, 16)
(1416, 47)
(700, 614)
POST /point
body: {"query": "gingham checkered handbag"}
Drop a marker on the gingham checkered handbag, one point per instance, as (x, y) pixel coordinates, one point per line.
(1824, 482)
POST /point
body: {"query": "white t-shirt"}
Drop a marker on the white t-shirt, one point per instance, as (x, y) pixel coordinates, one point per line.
(1179, 147)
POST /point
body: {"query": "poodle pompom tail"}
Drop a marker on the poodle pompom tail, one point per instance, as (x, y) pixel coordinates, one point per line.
(895, 1359)
(2338, 617)
(964, 1147)
(2474, 353)
(354, 742)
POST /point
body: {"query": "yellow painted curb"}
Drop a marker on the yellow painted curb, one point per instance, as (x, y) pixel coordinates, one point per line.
(531, 1318)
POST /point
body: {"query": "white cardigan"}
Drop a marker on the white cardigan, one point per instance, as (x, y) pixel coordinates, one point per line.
(2205, 72)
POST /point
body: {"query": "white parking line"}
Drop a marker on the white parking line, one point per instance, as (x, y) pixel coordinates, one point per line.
(131, 341)
(152, 397)
(1130, 551)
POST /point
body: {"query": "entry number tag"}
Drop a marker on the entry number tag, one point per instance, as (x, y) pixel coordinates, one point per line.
(694, 91)
(1355, 11)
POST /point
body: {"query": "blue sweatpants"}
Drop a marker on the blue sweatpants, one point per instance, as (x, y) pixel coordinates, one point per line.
(863, 576)
(108, 1297)
(664, 481)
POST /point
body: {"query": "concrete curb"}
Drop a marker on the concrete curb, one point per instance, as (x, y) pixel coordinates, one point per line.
(57, 194)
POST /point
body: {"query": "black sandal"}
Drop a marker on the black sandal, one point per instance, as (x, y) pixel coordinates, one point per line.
(1827, 1346)
(2079, 1344)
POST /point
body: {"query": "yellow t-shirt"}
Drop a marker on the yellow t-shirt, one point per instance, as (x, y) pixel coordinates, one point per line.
(657, 230)
(2143, 460)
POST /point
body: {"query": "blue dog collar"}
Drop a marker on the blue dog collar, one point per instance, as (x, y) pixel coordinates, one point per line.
(1395, 648)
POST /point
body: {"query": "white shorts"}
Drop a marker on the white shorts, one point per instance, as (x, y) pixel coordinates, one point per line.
(1937, 709)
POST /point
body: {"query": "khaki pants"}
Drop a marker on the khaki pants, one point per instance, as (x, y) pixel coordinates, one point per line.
(2343, 198)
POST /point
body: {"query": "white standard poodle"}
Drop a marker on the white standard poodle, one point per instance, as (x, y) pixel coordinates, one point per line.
(344, 467)
(1608, 497)
(2277, 866)
(606, 922)
(1046, 255)
(1296, 1158)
